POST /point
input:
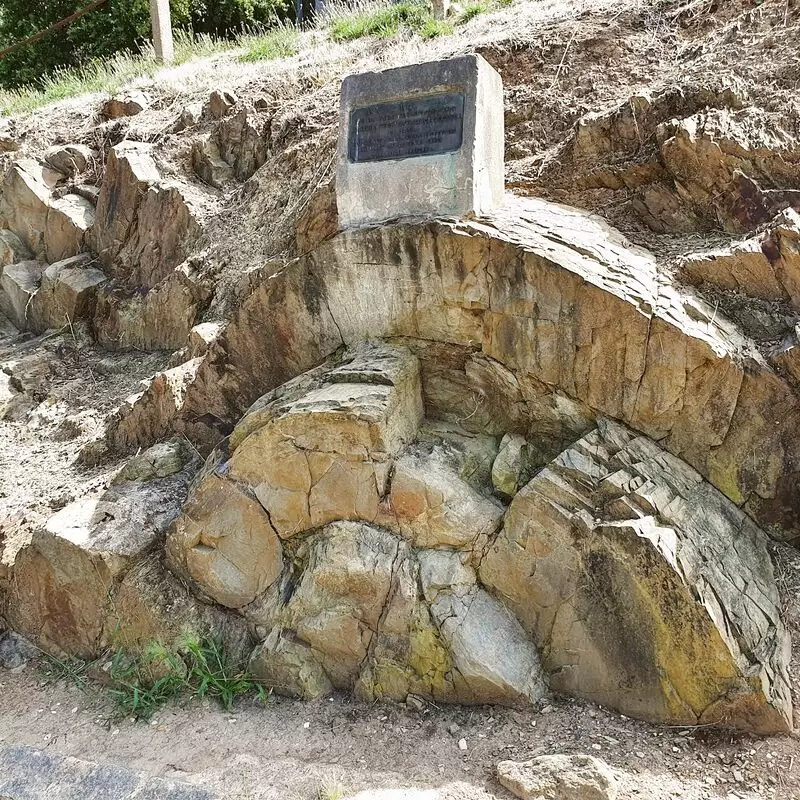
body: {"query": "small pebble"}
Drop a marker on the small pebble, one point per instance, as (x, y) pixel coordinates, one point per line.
(462, 744)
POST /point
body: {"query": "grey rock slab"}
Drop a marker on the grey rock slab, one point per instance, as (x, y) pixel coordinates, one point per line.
(16, 650)
(559, 777)
(30, 774)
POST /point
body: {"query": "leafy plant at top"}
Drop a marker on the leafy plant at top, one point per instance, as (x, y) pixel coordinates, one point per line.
(387, 21)
(472, 10)
(384, 21)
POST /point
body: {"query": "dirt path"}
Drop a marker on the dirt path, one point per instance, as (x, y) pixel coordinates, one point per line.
(297, 751)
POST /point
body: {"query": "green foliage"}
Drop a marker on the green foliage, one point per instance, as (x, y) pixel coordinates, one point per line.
(280, 42)
(117, 28)
(386, 21)
(103, 75)
(472, 10)
(228, 17)
(383, 21)
(142, 685)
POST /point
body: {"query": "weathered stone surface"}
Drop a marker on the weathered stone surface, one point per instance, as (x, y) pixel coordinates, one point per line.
(158, 243)
(160, 319)
(692, 158)
(33, 774)
(69, 159)
(288, 667)
(159, 461)
(67, 293)
(337, 605)
(432, 506)
(209, 164)
(766, 266)
(125, 105)
(150, 604)
(12, 250)
(629, 570)
(242, 143)
(508, 469)
(559, 777)
(202, 336)
(16, 651)
(68, 220)
(60, 594)
(326, 455)
(224, 542)
(189, 116)
(318, 221)
(147, 417)
(25, 202)
(220, 103)
(493, 659)
(577, 322)
(130, 171)
(18, 285)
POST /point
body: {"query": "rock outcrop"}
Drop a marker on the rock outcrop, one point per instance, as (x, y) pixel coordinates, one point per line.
(569, 322)
(645, 588)
(368, 554)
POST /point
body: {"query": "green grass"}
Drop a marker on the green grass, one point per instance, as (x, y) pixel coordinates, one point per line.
(382, 21)
(106, 75)
(68, 669)
(140, 686)
(386, 21)
(279, 42)
(472, 10)
(343, 24)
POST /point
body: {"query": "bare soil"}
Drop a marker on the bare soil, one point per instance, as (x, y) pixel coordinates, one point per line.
(294, 750)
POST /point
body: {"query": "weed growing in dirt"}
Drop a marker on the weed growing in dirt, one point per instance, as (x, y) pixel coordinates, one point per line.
(330, 789)
(279, 42)
(381, 21)
(67, 669)
(472, 10)
(142, 685)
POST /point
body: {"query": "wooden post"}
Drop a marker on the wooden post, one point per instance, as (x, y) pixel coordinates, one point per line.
(162, 30)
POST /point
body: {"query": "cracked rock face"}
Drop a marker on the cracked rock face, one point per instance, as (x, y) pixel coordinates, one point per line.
(645, 588)
(370, 550)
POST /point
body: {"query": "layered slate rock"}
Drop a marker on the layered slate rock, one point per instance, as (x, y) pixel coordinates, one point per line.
(336, 465)
(224, 541)
(356, 620)
(62, 585)
(67, 293)
(535, 320)
(18, 285)
(68, 220)
(766, 266)
(25, 203)
(326, 456)
(645, 588)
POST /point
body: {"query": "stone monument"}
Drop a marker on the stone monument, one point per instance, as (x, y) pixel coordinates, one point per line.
(421, 140)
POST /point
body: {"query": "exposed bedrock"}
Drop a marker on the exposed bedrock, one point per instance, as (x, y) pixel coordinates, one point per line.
(138, 291)
(541, 317)
(365, 545)
(91, 577)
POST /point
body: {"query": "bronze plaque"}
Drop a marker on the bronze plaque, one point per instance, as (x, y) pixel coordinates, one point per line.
(422, 126)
